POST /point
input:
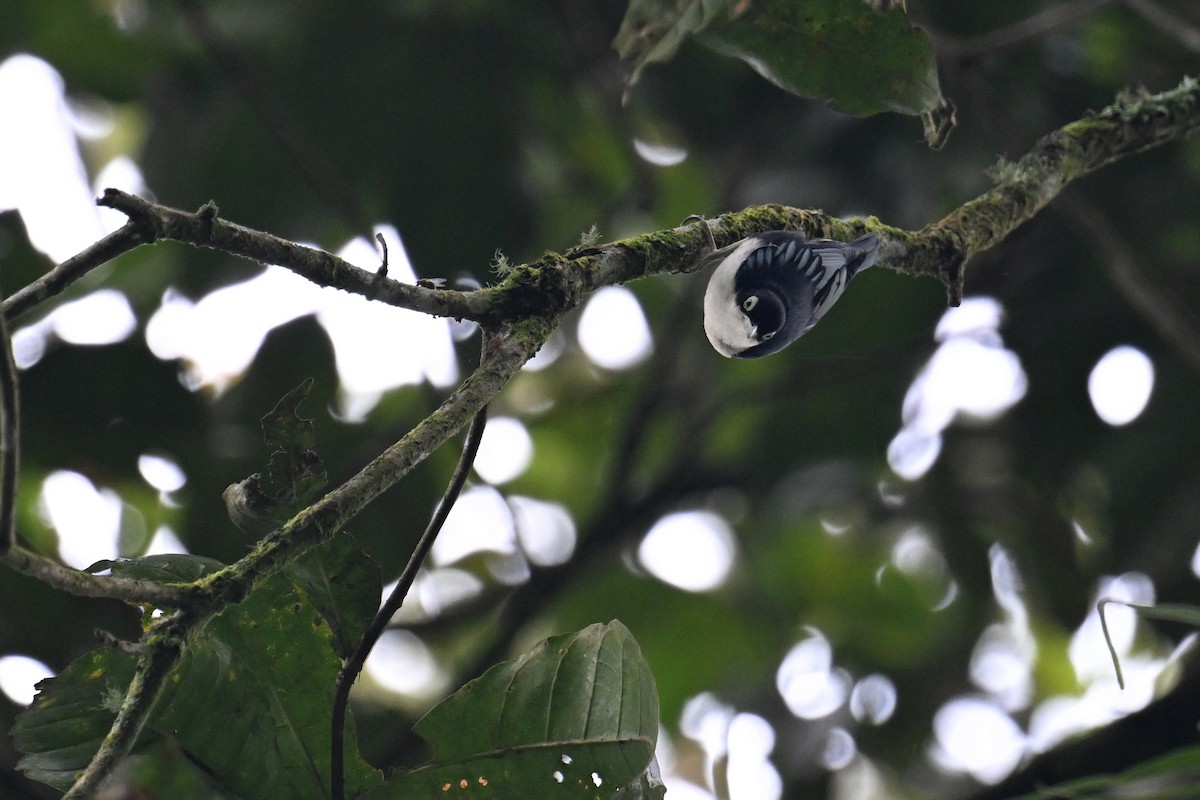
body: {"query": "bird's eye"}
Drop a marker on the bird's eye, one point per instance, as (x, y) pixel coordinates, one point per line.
(767, 336)
(750, 302)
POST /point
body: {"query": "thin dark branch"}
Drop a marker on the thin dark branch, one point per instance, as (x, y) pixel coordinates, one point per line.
(1169, 23)
(128, 237)
(1160, 310)
(85, 584)
(10, 440)
(1049, 21)
(353, 666)
(206, 229)
(311, 160)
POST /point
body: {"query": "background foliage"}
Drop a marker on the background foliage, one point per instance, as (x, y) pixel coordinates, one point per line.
(477, 125)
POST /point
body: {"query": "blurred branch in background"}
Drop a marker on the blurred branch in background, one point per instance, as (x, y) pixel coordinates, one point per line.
(1173, 322)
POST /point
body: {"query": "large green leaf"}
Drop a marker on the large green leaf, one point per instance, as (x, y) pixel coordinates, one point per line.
(577, 716)
(860, 60)
(249, 701)
(62, 730)
(343, 584)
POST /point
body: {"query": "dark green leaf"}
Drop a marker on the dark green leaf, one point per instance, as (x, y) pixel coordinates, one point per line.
(249, 702)
(342, 583)
(71, 715)
(577, 716)
(164, 568)
(253, 698)
(861, 61)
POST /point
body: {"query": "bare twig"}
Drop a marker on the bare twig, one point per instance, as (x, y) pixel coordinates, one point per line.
(1169, 23)
(1034, 27)
(353, 666)
(1160, 310)
(312, 161)
(56, 280)
(85, 584)
(10, 441)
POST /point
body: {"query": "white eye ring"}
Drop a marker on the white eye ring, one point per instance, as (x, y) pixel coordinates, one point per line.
(767, 336)
(750, 302)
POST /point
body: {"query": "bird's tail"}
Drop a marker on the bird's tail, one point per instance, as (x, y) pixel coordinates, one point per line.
(869, 246)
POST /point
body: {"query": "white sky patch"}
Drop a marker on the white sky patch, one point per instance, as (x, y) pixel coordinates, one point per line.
(19, 674)
(100, 318)
(479, 522)
(41, 172)
(612, 329)
(808, 681)
(86, 520)
(505, 452)
(971, 375)
(403, 664)
(545, 530)
(161, 472)
(691, 550)
(377, 347)
(705, 719)
(121, 173)
(164, 542)
(750, 773)
(1120, 385)
(975, 736)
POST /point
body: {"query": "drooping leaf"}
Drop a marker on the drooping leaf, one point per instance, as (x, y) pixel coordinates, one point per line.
(249, 702)
(163, 568)
(343, 584)
(859, 60)
(577, 716)
(61, 731)
(254, 695)
(294, 476)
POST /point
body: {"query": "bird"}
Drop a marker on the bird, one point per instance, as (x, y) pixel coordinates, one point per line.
(770, 289)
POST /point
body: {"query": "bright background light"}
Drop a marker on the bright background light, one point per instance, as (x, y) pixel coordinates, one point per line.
(970, 376)
(691, 550)
(505, 451)
(18, 676)
(1120, 385)
(612, 329)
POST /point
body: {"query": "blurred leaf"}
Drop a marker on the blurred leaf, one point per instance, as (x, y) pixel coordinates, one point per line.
(1171, 777)
(295, 475)
(653, 30)
(577, 716)
(249, 701)
(860, 61)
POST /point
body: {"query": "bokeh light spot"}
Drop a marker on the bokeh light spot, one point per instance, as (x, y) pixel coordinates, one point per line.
(1120, 385)
(505, 451)
(691, 550)
(612, 329)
